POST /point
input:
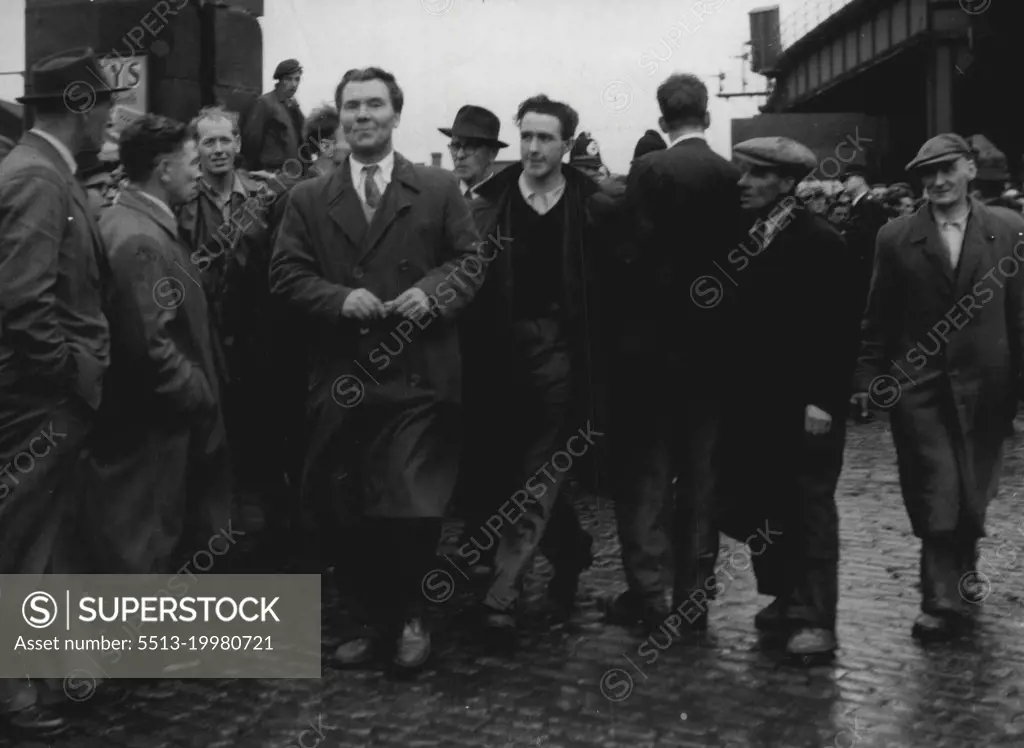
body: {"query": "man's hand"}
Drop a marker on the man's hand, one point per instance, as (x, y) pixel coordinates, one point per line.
(863, 401)
(411, 304)
(816, 421)
(361, 304)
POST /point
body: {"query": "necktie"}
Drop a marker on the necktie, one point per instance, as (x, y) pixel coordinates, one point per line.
(370, 188)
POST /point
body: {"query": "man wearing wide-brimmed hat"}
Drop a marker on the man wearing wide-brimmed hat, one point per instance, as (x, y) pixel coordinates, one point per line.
(474, 146)
(55, 342)
(272, 135)
(941, 347)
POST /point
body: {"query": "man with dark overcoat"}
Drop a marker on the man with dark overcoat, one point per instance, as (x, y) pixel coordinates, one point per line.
(941, 348)
(54, 336)
(784, 430)
(154, 487)
(375, 257)
(273, 131)
(474, 146)
(537, 320)
(667, 392)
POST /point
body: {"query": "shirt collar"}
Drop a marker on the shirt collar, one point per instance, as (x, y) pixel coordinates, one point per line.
(386, 164)
(62, 149)
(237, 188)
(859, 197)
(687, 136)
(960, 223)
(473, 190)
(541, 201)
(158, 202)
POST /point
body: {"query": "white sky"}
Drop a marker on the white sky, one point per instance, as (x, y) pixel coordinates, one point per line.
(601, 56)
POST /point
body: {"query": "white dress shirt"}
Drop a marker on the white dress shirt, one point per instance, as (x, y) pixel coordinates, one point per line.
(687, 136)
(953, 233)
(382, 178)
(541, 202)
(62, 149)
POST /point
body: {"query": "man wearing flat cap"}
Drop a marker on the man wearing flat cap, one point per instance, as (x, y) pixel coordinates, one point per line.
(271, 136)
(55, 340)
(474, 146)
(785, 428)
(941, 347)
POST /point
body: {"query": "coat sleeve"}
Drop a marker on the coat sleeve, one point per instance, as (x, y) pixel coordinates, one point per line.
(295, 273)
(32, 224)
(878, 314)
(1015, 316)
(453, 284)
(640, 204)
(252, 134)
(142, 273)
(832, 325)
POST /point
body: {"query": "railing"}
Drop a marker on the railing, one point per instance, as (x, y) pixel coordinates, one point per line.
(799, 23)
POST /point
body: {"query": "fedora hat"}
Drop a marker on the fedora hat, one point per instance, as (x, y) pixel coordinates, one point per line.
(73, 73)
(477, 123)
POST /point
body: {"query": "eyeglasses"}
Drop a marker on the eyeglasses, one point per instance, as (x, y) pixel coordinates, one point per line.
(468, 148)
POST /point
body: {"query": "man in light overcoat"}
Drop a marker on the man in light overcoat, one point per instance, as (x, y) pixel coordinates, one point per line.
(941, 346)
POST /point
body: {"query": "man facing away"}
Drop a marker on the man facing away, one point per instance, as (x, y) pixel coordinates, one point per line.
(272, 133)
(374, 258)
(942, 340)
(667, 368)
(156, 482)
(537, 319)
(54, 336)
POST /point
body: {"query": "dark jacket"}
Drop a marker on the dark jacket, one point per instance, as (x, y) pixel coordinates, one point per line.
(272, 134)
(942, 349)
(866, 218)
(789, 349)
(383, 396)
(54, 345)
(489, 320)
(157, 455)
(683, 204)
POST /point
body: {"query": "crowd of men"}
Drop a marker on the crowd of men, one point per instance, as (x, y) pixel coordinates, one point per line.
(338, 333)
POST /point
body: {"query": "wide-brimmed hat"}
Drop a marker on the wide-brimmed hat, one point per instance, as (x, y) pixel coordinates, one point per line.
(74, 75)
(477, 123)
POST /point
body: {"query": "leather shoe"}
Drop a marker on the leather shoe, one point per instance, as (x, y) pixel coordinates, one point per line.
(36, 721)
(772, 617)
(809, 642)
(355, 652)
(413, 648)
(933, 628)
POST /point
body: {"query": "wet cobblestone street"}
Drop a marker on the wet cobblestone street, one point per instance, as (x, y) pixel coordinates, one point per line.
(884, 690)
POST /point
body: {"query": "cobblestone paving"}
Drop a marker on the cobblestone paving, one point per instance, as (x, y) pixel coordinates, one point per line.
(883, 691)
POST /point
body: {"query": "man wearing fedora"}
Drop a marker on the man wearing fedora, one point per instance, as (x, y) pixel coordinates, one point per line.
(474, 146)
(54, 339)
(941, 346)
(271, 136)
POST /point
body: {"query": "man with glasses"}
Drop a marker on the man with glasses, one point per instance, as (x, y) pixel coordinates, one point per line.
(474, 146)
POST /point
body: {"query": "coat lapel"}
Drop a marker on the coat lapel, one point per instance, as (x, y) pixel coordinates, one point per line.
(345, 208)
(394, 204)
(925, 235)
(975, 248)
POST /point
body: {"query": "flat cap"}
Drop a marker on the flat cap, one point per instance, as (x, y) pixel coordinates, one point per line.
(942, 148)
(779, 153)
(286, 67)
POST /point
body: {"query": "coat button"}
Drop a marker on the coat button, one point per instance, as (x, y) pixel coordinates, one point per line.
(357, 273)
(414, 380)
(403, 265)
(364, 330)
